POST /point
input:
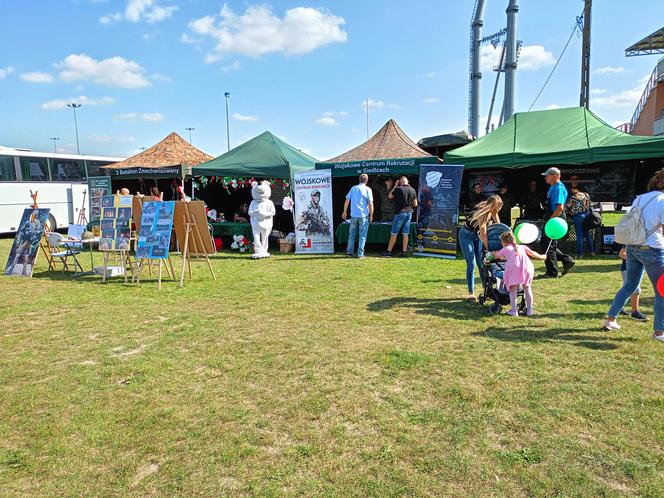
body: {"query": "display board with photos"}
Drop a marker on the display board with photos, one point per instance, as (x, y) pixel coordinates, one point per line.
(115, 222)
(26, 243)
(154, 237)
(98, 187)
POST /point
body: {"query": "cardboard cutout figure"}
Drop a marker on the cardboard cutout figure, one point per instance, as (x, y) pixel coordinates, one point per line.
(261, 211)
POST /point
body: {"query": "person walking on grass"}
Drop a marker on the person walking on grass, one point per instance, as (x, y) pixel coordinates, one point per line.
(404, 198)
(556, 199)
(473, 236)
(648, 258)
(360, 200)
(635, 298)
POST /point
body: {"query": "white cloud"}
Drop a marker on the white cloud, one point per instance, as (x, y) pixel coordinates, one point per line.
(241, 117)
(128, 116)
(141, 10)
(102, 139)
(115, 71)
(552, 106)
(55, 105)
(160, 77)
(534, 57)
(190, 40)
(327, 121)
(153, 117)
(531, 58)
(235, 66)
(332, 114)
(4, 72)
(609, 70)
(431, 100)
(598, 91)
(37, 77)
(625, 98)
(259, 31)
(394, 106)
(373, 104)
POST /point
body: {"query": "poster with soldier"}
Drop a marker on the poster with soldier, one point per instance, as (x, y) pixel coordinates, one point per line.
(313, 212)
(26, 244)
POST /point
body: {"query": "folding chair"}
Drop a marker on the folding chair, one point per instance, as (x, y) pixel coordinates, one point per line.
(58, 249)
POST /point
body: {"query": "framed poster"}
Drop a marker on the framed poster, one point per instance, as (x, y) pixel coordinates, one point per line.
(313, 212)
(154, 237)
(26, 243)
(98, 187)
(437, 210)
(115, 222)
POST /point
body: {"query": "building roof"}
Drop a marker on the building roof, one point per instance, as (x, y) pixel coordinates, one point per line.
(651, 44)
(390, 142)
(446, 140)
(171, 151)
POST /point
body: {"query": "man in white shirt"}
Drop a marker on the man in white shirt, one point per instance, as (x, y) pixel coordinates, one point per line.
(360, 200)
(648, 258)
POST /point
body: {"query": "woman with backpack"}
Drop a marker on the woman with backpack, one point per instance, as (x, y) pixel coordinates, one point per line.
(641, 231)
(578, 209)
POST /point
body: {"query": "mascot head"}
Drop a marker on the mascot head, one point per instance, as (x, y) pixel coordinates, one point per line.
(260, 191)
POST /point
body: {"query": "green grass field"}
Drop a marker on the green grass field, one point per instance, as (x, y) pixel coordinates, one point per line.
(324, 376)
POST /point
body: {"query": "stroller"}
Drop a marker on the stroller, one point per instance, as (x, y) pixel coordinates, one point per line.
(491, 273)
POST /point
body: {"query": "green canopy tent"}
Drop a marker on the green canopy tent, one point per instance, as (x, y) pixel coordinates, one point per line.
(559, 136)
(264, 156)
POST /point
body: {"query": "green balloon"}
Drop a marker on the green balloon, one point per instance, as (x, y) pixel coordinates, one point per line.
(517, 230)
(555, 228)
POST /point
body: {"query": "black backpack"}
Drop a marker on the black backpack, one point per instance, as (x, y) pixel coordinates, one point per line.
(593, 220)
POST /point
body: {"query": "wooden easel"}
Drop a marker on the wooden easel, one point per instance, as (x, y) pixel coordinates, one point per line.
(125, 260)
(82, 219)
(43, 242)
(191, 227)
(168, 264)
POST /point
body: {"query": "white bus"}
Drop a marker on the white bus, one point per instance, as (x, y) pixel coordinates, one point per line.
(60, 181)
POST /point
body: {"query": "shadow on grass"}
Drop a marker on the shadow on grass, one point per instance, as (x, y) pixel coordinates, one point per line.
(456, 308)
(603, 268)
(578, 337)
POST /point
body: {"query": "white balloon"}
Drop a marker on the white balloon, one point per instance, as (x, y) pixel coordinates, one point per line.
(527, 233)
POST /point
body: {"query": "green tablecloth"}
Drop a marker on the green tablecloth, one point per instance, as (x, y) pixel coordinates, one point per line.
(229, 229)
(379, 233)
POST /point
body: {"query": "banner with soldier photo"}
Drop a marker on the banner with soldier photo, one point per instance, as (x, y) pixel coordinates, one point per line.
(313, 212)
(437, 211)
(26, 243)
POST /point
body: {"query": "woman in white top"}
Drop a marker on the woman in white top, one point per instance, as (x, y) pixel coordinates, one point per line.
(648, 257)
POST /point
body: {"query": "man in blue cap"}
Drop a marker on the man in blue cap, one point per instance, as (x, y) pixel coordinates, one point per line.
(555, 207)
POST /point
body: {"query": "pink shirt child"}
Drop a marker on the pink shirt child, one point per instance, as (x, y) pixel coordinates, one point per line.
(519, 269)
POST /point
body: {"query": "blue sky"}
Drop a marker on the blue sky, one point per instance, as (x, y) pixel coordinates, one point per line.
(144, 68)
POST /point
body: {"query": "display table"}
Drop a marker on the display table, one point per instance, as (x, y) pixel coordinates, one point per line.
(379, 233)
(231, 228)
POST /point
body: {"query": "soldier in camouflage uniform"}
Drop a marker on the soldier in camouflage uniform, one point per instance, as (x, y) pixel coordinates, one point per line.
(314, 219)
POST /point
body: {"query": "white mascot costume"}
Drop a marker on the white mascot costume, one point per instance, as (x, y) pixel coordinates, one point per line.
(261, 211)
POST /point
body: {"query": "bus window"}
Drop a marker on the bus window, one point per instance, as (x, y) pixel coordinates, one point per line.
(93, 168)
(7, 171)
(34, 169)
(66, 170)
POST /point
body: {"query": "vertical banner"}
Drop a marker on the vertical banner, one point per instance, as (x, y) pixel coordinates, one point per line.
(98, 187)
(313, 212)
(154, 238)
(26, 243)
(437, 211)
(115, 222)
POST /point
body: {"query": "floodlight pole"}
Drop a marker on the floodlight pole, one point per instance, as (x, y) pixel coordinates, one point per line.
(55, 147)
(75, 106)
(584, 99)
(228, 131)
(190, 130)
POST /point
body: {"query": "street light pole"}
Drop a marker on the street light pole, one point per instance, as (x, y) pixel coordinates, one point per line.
(228, 131)
(190, 130)
(55, 139)
(75, 106)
